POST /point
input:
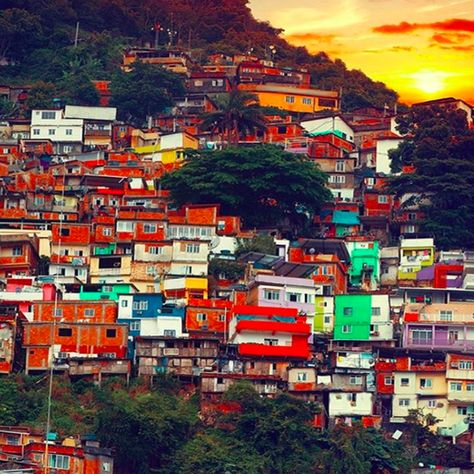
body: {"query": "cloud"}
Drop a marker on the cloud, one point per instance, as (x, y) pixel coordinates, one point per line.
(310, 37)
(450, 38)
(454, 24)
(462, 48)
(401, 48)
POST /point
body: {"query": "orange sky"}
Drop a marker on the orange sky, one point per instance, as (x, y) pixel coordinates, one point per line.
(423, 49)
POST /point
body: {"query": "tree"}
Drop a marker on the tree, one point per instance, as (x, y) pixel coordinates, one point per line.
(440, 147)
(238, 113)
(7, 108)
(259, 243)
(41, 95)
(144, 91)
(262, 184)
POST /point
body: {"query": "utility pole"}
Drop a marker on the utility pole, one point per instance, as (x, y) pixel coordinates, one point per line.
(76, 36)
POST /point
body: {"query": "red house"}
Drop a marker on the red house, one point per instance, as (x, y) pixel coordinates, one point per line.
(261, 331)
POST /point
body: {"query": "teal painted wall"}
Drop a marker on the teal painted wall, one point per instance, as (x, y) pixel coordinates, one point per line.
(353, 314)
(116, 289)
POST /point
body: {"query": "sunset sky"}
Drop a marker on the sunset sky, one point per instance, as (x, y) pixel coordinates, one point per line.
(424, 49)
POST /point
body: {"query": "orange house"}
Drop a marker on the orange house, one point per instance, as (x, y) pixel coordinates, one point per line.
(209, 316)
(18, 255)
(73, 329)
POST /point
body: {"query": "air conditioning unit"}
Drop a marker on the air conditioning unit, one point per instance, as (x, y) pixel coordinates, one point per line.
(454, 364)
(439, 405)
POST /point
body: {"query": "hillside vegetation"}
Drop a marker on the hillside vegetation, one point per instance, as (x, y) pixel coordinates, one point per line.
(37, 39)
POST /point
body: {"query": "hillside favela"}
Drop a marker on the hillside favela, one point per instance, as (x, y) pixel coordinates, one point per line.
(236, 237)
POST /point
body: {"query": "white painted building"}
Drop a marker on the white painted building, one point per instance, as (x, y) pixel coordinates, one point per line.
(190, 258)
(383, 147)
(328, 124)
(381, 324)
(65, 133)
(350, 404)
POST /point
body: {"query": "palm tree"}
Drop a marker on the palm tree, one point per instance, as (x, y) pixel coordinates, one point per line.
(238, 113)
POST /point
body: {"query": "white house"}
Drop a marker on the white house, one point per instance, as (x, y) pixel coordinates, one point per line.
(383, 146)
(328, 124)
(66, 134)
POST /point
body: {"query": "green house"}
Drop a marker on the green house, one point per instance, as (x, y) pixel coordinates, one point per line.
(105, 291)
(353, 314)
(365, 264)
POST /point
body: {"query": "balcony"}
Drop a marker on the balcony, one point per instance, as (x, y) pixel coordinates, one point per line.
(259, 350)
(302, 386)
(19, 260)
(69, 259)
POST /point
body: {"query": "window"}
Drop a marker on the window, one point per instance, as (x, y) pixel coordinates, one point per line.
(465, 365)
(293, 297)
(352, 397)
(169, 333)
(445, 315)
(455, 386)
(135, 325)
(375, 311)
(327, 102)
(149, 228)
(307, 101)
(201, 317)
(16, 251)
(124, 303)
(426, 383)
(107, 232)
(150, 271)
(422, 336)
(308, 298)
(388, 380)
(327, 319)
(58, 313)
(155, 250)
(36, 131)
(412, 216)
(273, 295)
(65, 232)
(290, 99)
(346, 329)
(404, 402)
(355, 380)
(302, 376)
(404, 382)
(431, 403)
(13, 440)
(340, 166)
(89, 313)
(462, 411)
(64, 332)
(140, 305)
(271, 342)
(470, 387)
(51, 131)
(221, 318)
(382, 199)
(110, 333)
(48, 115)
(192, 248)
(198, 83)
(68, 131)
(58, 460)
(347, 311)
(125, 226)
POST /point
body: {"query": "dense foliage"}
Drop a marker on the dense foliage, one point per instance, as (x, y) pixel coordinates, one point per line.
(38, 36)
(262, 184)
(440, 147)
(157, 430)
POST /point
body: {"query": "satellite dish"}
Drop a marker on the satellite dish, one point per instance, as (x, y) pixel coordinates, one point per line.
(312, 251)
(215, 242)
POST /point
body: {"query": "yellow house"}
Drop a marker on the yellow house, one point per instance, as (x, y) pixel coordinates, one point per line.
(294, 99)
(167, 148)
(415, 254)
(183, 288)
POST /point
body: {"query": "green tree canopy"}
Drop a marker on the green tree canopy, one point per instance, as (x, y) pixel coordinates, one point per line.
(262, 184)
(440, 147)
(144, 91)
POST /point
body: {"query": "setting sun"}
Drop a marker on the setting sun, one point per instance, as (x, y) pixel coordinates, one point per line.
(429, 82)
